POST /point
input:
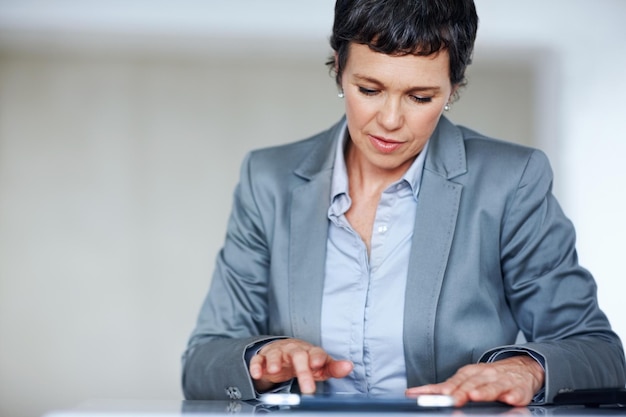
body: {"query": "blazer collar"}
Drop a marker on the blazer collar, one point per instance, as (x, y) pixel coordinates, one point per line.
(446, 153)
(322, 157)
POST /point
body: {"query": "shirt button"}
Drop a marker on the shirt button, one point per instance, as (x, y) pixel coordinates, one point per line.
(382, 229)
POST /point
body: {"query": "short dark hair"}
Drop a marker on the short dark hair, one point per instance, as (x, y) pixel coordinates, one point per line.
(402, 27)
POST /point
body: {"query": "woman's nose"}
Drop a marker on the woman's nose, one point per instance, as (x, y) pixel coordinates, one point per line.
(390, 114)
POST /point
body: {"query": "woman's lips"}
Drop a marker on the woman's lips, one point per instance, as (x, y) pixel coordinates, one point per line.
(384, 145)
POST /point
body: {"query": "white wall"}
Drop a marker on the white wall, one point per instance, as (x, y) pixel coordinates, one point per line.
(122, 126)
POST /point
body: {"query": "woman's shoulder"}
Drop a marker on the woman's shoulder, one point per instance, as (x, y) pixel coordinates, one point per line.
(316, 149)
(486, 149)
(484, 142)
(292, 149)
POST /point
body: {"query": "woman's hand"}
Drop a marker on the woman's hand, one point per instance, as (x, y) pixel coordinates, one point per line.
(514, 381)
(284, 359)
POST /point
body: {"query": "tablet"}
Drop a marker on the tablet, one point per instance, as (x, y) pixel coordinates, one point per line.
(356, 402)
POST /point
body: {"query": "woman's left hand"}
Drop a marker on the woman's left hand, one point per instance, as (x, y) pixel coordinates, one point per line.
(513, 380)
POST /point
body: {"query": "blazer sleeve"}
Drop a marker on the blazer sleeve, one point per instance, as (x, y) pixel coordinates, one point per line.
(233, 316)
(552, 297)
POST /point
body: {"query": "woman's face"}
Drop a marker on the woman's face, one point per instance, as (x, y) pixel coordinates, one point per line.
(393, 104)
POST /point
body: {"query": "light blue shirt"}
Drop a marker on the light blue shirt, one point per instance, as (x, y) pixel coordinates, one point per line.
(363, 301)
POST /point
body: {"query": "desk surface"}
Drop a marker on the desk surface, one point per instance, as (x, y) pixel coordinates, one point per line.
(165, 408)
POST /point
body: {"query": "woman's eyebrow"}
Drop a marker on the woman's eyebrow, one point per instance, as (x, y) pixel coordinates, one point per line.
(434, 89)
(369, 79)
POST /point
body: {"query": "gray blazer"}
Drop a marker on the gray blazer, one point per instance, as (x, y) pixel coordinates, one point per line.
(493, 254)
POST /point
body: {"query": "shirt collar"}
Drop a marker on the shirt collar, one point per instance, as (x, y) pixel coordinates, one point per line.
(339, 182)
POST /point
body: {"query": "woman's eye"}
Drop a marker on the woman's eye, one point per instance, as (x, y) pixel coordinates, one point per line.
(419, 99)
(367, 91)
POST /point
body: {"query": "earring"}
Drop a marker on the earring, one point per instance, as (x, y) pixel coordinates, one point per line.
(340, 94)
(446, 107)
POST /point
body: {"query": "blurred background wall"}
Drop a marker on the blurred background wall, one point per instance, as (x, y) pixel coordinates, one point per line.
(123, 124)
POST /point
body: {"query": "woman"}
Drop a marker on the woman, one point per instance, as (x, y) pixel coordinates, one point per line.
(396, 252)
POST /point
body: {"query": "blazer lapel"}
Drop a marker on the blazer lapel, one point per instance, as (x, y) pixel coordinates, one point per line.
(307, 237)
(437, 211)
(307, 251)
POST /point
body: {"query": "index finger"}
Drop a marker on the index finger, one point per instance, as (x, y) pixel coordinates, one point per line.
(300, 362)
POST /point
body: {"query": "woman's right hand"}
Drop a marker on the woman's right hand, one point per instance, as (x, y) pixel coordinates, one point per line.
(285, 359)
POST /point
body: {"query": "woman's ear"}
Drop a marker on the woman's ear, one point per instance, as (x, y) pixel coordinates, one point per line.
(454, 93)
(336, 69)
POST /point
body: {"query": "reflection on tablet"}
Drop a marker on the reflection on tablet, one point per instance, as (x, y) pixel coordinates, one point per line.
(356, 401)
